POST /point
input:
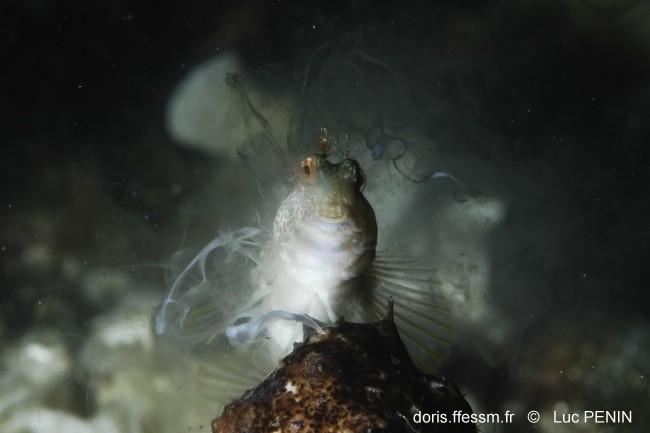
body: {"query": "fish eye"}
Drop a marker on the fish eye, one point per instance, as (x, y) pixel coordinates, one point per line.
(354, 172)
(309, 169)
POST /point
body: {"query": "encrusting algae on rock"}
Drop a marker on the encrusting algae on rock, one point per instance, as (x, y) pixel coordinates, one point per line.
(350, 377)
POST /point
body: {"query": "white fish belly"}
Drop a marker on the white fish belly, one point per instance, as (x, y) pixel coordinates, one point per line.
(312, 271)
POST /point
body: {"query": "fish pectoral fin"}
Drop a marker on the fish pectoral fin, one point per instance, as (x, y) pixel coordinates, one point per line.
(223, 377)
(420, 314)
(328, 307)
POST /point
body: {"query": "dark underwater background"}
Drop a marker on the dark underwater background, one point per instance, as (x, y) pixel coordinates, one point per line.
(540, 107)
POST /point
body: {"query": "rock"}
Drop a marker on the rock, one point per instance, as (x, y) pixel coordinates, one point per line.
(203, 113)
(130, 381)
(41, 420)
(351, 378)
(40, 358)
(102, 286)
(120, 338)
(33, 368)
(207, 114)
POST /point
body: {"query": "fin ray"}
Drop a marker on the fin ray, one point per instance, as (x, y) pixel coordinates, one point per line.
(424, 301)
(422, 314)
(398, 284)
(420, 328)
(433, 354)
(226, 376)
(392, 275)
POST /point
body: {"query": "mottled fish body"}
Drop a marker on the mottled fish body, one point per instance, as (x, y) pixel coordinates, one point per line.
(324, 240)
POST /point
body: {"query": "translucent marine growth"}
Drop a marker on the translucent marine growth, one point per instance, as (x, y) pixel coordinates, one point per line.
(203, 299)
(360, 89)
(246, 332)
(394, 148)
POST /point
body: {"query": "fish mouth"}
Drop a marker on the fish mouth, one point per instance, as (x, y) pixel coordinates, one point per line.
(333, 220)
(335, 214)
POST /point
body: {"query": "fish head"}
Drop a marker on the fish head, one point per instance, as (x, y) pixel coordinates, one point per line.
(334, 191)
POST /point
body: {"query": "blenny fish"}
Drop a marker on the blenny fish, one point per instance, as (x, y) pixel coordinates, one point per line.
(248, 292)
